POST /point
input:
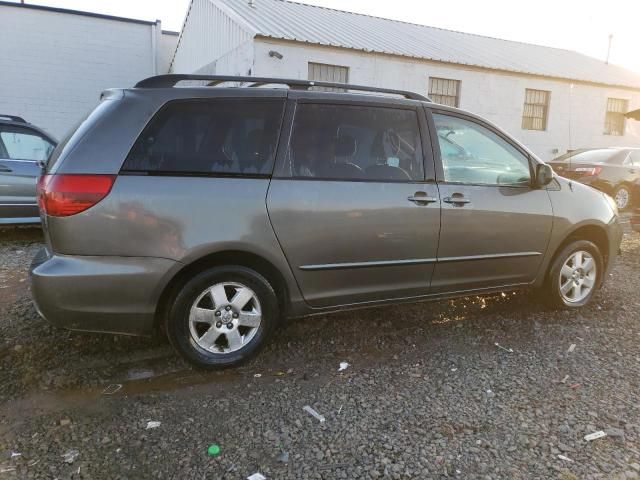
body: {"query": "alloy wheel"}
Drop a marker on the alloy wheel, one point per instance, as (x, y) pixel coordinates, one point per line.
(578, 277)
(225, 317)
(622, 198)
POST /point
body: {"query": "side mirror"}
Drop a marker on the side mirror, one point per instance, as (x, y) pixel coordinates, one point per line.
(544, 175)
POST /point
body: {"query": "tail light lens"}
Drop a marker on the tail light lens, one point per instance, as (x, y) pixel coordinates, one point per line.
(65, 195)
(589, 171)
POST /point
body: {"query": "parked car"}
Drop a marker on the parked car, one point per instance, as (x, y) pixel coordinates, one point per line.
(610, 170)
(22, 147)
(214, 212)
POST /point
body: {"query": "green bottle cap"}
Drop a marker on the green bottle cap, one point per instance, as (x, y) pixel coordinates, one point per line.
(213, 450)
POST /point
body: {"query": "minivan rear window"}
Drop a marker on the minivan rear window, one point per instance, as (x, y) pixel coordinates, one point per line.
(228, 137)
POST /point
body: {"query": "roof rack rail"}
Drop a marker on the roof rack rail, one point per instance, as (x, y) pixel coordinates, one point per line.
(170, 80)
(13, 118)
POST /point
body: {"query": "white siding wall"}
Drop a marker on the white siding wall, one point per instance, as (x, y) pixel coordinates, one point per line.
(53, 66)
(238, 61)
(210, 32)
(576, 114)
(168, 43)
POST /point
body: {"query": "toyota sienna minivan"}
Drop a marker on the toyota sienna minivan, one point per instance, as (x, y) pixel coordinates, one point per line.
(212, 212)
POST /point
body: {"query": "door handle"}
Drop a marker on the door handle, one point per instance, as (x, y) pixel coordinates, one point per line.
(421, 198)
(457, 200)
(4, 168)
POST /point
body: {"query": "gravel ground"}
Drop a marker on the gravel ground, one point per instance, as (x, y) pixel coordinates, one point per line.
(427, 394)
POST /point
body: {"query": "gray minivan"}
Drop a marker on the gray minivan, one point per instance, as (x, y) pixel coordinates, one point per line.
(212, 212)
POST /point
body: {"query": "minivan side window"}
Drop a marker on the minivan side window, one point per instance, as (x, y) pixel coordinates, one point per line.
(24, 144)
(351, 142)
(473, 154)
(227, 137)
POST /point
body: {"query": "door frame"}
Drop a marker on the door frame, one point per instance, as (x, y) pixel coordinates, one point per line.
(296, 97)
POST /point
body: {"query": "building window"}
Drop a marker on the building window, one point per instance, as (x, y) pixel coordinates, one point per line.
(321, 72)
(614, 118)
(536, 108)
(444, 91)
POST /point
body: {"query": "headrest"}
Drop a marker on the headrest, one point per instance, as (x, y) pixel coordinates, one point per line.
(345, 146)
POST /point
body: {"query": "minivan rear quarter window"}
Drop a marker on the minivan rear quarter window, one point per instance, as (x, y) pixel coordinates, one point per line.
(225, 137)
(352, 142)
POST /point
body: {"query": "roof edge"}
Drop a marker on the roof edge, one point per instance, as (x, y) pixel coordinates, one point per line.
(237, 16)
(77, 12)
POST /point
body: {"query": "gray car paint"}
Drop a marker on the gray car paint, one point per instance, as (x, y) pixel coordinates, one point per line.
(18, 180)
(336, 244)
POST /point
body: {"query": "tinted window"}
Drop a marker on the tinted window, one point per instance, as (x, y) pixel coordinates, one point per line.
(474, 154)
(348, 142)
(23, 144)
(202, 136)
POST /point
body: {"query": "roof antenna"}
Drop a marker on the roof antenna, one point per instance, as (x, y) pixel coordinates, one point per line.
(608, 48)
(252, 3)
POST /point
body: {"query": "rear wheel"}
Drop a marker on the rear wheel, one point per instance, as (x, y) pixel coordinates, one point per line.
(575, 274)
(622, 197)
(222, 316)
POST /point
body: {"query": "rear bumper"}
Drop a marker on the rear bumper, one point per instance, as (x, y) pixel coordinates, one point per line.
(99, 294)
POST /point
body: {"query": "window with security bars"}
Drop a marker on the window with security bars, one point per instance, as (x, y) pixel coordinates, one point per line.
(614, 118)
(536, 109)
(444, 91)
(321, 72)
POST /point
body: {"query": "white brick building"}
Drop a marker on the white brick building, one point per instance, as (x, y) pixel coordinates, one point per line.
(55, 62)
(551, 99)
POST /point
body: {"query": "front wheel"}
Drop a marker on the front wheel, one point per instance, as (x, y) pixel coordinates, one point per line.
(575, 274)
(222, 316)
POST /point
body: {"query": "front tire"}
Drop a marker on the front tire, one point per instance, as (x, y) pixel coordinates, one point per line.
(222, 316)
(575, 275)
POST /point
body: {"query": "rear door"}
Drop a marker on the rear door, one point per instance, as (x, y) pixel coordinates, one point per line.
(350, 204)
(20, 150)
(495, 226)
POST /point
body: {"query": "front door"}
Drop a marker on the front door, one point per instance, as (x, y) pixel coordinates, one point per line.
(350, 205)
(20, 151)
(495, 225)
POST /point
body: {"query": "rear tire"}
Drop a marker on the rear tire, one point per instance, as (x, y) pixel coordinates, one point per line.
(222, 316)
(622, 197)
(575, 275)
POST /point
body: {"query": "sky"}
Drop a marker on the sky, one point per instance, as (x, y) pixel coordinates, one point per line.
(580, 25)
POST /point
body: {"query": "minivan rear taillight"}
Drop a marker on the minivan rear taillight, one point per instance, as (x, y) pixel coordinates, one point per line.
(64, 195)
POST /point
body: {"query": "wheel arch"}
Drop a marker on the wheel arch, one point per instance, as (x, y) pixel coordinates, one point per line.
(596, 234)
(227, 257)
